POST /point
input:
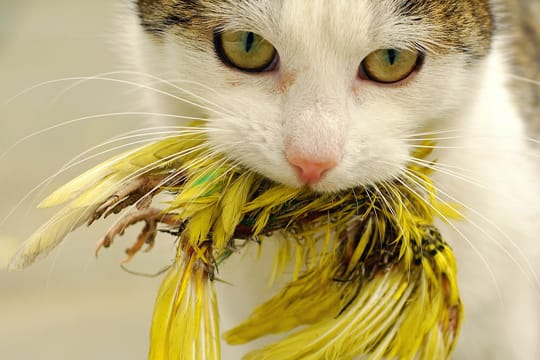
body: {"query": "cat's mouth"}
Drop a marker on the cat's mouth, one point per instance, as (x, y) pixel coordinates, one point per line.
(335, 180)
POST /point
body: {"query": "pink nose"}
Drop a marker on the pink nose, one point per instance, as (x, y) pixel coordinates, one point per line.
(309, 171)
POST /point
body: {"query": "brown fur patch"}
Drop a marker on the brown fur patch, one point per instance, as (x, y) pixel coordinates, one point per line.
(192, 19)
(524, 28)
(464, 26)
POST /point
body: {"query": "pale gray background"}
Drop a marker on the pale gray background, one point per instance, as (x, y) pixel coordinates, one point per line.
(70, 306)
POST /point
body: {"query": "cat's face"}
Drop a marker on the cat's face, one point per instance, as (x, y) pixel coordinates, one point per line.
(320, 92)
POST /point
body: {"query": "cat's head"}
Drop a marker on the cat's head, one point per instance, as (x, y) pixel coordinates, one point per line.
(320, 92)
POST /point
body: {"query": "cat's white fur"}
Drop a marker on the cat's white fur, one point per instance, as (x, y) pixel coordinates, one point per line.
(316, 103)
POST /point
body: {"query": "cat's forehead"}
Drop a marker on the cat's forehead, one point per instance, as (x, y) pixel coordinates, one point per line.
(443, 26)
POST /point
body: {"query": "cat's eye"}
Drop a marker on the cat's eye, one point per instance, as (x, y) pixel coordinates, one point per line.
(389, 66)
(245, 51)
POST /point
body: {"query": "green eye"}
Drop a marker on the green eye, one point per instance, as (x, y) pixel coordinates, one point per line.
(389, 65)
(245, 50)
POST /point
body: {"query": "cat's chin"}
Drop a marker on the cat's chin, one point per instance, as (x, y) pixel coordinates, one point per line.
(322, 187)
(330, 185)
(325, 188)
(319, 188)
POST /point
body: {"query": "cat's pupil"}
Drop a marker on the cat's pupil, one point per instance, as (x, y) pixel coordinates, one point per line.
(392, 56)
(249, 40)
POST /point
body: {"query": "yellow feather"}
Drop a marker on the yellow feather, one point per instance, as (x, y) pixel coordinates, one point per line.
(73, 188)
(77, 213)
(49, 236)
(348, 316)
(185, 325)
(121, 166)
(230, 211)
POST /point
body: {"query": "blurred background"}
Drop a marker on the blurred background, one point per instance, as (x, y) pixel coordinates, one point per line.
(70, 305)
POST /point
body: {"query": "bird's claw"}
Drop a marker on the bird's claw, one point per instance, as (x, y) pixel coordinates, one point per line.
(151, 216)
(138, 192)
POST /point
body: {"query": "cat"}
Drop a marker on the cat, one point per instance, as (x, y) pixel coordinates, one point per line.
(334, 94)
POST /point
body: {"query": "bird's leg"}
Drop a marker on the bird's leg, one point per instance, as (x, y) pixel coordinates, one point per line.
(151, 216)
(137, 193)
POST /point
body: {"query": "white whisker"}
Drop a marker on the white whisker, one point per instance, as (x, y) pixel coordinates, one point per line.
(157, 80)
(464, 178)
(456, 229)
(438, 132)
(119, 81)
(89, 117)
(437, 165)
(523, 79)
(530, 274)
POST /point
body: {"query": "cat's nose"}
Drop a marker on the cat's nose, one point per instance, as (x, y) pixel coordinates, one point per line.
(310, 171)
